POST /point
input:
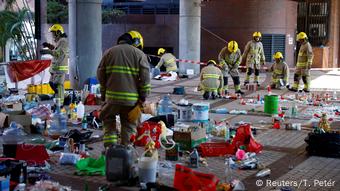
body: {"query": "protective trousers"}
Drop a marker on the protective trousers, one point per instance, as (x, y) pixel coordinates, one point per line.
(236, 80)
(305, 75)
(57, 84)
(250, 72)
(108, 116)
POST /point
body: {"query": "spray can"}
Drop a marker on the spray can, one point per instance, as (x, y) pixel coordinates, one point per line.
(194, 159)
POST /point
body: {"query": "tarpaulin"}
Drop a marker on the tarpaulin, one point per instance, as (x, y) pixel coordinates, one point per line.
(19, 71)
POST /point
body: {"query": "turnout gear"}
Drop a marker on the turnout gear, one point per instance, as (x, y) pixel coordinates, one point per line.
(211, 80)
(303, 66)
(124, 78)
(160, 51)
(229, 60)
(56, 28)
(254, 57)
(59, 67)
(280, 72)
(137, 39)
(169, 62)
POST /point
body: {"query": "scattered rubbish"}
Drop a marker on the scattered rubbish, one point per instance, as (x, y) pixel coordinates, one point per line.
(179, 90)
(165, 106)
(219, 111)
(263, 173)
(200, 112)
(68, 158)
(184, 110)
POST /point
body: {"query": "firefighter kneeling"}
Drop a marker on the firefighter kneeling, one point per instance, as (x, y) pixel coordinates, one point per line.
(211, 80)
(280, 72)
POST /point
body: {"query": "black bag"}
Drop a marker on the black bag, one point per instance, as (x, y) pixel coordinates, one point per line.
(16, 168)
(323, 144)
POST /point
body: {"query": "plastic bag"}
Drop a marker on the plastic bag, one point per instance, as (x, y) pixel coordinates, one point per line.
(91, 166)
(189, 180)
(245, 137)
(68, 158)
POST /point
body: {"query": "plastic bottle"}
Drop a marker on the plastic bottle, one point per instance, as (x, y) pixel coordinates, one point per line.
(165, 106)
(219, 111)
(194, 159)
(228, 171)
(334, 96)
(263, 173)
(58, 124)
(84, 123)
(227, 134)
(80, 110)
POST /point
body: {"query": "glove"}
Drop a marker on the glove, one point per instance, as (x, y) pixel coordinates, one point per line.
(48, 45)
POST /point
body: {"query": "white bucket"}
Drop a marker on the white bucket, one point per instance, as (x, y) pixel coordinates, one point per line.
(147, 169)
(184, 112)
(200, 112)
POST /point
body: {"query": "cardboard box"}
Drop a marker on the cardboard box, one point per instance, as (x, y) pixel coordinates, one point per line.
(190, 139)
(20, 118)
(13, 106)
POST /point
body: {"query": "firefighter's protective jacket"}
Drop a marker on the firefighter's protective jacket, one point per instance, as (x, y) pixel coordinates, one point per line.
(280, 71)
(305, 56)
(124, 76)
(254, 54)
(169, 62)
(211, 79)
(60, 57)
(229, 62)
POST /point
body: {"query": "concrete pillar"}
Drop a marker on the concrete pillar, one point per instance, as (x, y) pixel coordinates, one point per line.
(85, 22)
(189, 34)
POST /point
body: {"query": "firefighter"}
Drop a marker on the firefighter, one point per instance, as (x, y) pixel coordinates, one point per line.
(254, 57)
(167, 59)
(124, 78)
(229, 59)
(304, 63)
(59, 67)
(211, 80)
(280, 72)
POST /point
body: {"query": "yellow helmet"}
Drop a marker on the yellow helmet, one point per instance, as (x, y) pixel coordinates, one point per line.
(257, 34)
(161, 51)
(212, 62)
(301, 36)
(137, 39)
(232, 46)
(56, 27)
(278, 55)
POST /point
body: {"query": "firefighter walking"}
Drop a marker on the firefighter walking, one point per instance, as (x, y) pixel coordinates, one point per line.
(229, 59)
(211, 80)
(304, 63)
(280, 72)
(124, 78)
(59, 67)
(254, 57)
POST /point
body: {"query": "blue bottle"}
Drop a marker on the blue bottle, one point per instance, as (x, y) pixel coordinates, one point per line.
(165, 106)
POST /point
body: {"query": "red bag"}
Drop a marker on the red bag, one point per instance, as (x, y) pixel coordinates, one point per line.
(143, 131)
(188, 180)
(245, 137)
(90, 100)
(32, 154)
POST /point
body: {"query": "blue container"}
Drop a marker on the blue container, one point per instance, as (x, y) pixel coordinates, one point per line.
(4, 184)
(165, 106)
(200, 112)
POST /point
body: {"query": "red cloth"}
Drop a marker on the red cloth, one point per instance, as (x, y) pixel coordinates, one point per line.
(245, 137)
(32, 154)
(18, 71)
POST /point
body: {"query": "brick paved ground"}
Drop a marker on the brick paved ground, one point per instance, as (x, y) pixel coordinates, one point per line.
(284, 151)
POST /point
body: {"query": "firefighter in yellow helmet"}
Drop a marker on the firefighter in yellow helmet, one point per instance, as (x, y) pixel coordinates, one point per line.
(280, 72)
(167, 59)
(124, 78)
(254, 57)
(60, 52)
(229, 59)
(211, 80)
(304, 63)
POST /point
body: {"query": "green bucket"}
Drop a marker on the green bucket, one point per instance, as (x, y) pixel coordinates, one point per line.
(271, 104)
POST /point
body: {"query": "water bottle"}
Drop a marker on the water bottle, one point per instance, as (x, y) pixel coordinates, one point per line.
(194, 159)
(80, 110)
(165, 106)
(58, 124)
